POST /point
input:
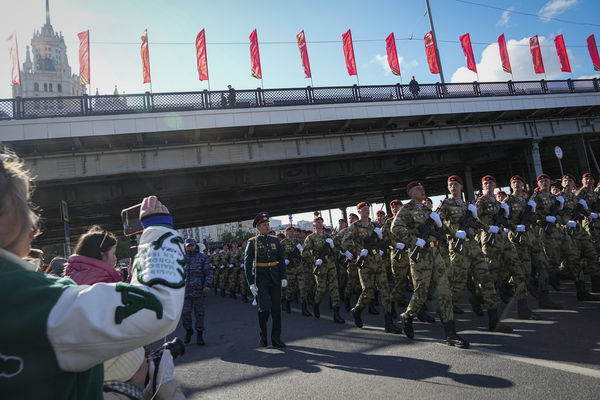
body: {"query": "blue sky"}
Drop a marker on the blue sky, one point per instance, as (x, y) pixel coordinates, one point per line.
(116, 26)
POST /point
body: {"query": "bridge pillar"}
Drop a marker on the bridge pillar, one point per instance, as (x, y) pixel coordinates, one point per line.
(468, 189)
(344, 214)
(582, 155)
(536, 159)
(387, 198)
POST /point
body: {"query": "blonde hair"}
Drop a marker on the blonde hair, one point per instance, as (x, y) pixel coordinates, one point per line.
(16, 189)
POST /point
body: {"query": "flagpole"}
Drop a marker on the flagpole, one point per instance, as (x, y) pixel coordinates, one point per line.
(311, 81)
(437, 50)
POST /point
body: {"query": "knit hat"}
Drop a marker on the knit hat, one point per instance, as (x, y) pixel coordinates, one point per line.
(122, 368)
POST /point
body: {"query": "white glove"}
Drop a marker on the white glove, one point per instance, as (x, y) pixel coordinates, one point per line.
(348, 255)
(165, 369)
(571, 224)
(551, 219)
(473, 209)
(520, 228)
(493, 229)
(460, 234)
(230, 265)
(222, 266)
(381, 252)
(254, 289)
(420, 242)
(284, 283)
(583, 203)
(400, 246)
(364, 252)
(299, 247)
(436, 218)
(505, 230)
(561, 200)
(318, 262)
(242, 265)
(532, 204)
(594, 215)
(330, 241)
(378, 233)
(506, 209)
(287, 261)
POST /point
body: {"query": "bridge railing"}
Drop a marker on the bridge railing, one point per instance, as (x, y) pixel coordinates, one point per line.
(44, 107)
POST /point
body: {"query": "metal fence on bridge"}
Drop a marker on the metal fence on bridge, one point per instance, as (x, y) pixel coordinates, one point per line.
(44, 107)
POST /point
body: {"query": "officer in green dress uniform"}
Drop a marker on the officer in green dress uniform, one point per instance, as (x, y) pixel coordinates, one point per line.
(265, 271)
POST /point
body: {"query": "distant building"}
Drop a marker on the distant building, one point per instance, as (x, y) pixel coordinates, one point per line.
(49, 74)
(213, 233)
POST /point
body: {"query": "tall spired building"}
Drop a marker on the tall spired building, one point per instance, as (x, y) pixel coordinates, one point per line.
(49, 75)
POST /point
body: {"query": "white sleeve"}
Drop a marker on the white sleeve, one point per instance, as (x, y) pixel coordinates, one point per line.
(90, 324)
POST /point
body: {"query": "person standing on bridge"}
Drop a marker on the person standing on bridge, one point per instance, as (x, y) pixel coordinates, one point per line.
(414, 88)
(231, 96)
(265, 268)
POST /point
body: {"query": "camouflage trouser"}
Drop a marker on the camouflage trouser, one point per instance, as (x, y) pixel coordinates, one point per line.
(533, 258)
(309, 278)
(471, 262)
(242, 281)
(400, 271)
(503, 262)
(327, 280)
(353, 283)
(559, 246)
(296, 284)
(592, 226)
(223, 278)
(233, 279)
(195, 304)
(387, 265)
(372, 276)
(586, 253)
(216, 275)
(430, 270)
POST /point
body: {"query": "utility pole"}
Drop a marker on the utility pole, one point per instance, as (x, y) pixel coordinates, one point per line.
(437, 50)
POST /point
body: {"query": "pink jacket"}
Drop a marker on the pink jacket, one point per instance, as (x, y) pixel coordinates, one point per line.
(87, 271)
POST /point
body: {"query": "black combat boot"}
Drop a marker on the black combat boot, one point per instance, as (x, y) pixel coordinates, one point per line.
(244, 298)
(199, 339)
(476, 301)
(188, 336)
(372, 309)
(287, 308)
(305, 311)
(554, 281)
(347, 305)
(356, 314)
(584, 295)
(596, 284)
(316, 311)
(452, 338)
(390, 327)
(277, 343)
(544, 302)
(394, 312)
(337, 318)
(423, 316)
(495, 324)
(524, 312)
(232, 294)
(376, 299)
(457, 310)
(407, 321)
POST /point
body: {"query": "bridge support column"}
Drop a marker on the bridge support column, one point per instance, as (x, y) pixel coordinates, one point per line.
(536, 159)
(582, 154)
(344, 214)
(387, 198)
(468, 189)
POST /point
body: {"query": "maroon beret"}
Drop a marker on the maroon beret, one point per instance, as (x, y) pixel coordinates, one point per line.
(455, 178)
(517, 178)
(587, 175)
(570, 176)
(395, 202)
(412, 184)
(543, 176)
(362, 204)
(488, 178)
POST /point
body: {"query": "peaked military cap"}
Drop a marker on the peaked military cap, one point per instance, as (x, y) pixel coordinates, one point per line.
(261, 217)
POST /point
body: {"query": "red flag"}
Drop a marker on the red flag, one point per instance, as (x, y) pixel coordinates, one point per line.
(13, 50)
(390, 45)
(145, 57)
(303, 53)
(591, 41)
(434, 68)
(255, 56)
(561, 50)
(504, 54)
(536, 55)
(201, 61)
(349, 53)
(465, 42)
(84, 57)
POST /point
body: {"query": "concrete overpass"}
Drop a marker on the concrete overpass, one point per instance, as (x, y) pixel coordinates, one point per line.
(221, 164)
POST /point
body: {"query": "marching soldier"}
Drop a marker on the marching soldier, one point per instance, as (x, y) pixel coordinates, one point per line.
(266, 275)
(320, 248)
(235, 259)
(352, 283)
(242, 274)
(420, 228)
(398, 261)
(365, 240)
(591, 223)
(466, 258)
(293, 261)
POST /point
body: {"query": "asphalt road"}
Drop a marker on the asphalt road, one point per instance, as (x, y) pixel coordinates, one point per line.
(557, 357)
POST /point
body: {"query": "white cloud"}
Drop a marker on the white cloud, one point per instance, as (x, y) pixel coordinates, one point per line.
(555, 7)
(597, 76)
(382, 61)
(505, 17)
(490, 66)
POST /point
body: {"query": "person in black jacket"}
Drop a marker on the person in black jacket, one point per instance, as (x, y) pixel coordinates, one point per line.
(198, 280)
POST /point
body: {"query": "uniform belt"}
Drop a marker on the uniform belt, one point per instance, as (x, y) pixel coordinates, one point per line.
(432, 244)
(374, 251)
(267, 264)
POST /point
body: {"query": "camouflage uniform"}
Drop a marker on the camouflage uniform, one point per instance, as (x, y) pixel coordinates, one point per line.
(315, 248)
(429, 269)
(591, 225)
(223, 265)
(235, 259)
(214, 259)
(400, 268)
(295, 272)
(352, 283)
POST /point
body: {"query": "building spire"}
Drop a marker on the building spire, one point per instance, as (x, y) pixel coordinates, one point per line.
(47, 12)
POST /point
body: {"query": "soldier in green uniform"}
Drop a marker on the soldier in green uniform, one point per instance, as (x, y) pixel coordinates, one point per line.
(398, 261)
(214, 262)
(420, 228)
(266, 275)
(365, 240)
(320, 249)
(235, 259)
(591, 223)
(352, 282)
(295, 274)
(466, 258)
